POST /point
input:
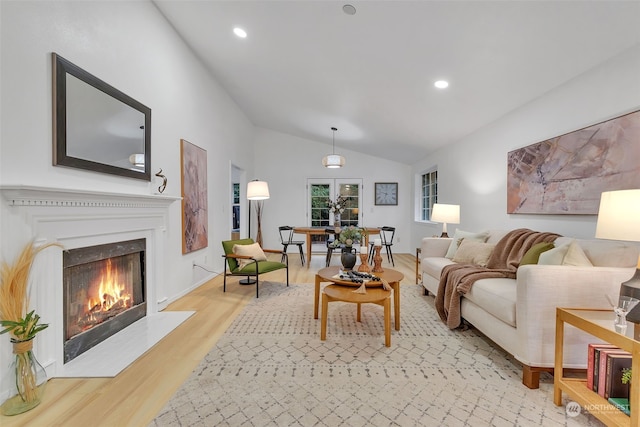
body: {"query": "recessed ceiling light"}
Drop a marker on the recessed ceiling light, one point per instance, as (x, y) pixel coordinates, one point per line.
(349, 9)
(240, 32)
(441, 84)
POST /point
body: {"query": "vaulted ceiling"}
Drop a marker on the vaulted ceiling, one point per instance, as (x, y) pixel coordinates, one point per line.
(306, 66)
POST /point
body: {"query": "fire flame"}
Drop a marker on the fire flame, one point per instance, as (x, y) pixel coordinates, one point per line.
(110, 291)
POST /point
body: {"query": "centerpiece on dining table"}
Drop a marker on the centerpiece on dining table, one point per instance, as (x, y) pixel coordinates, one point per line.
(336, 208)
(345, 239)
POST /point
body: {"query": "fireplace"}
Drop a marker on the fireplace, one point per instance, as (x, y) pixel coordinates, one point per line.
(104, 292)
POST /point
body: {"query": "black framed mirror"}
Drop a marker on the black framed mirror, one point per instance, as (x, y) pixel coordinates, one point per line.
(96, 127)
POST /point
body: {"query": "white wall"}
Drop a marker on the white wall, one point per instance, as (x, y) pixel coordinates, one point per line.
(285, 162)
(473, 172)
(129, 45)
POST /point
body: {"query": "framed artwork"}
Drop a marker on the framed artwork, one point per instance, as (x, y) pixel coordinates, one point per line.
(386, 193)
(195, 226)
(568, 173)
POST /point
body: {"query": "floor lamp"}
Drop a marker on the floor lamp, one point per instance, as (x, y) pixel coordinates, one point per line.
(445, 214)
(258, 191)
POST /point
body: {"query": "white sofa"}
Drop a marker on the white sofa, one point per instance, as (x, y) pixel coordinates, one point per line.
(519, 314)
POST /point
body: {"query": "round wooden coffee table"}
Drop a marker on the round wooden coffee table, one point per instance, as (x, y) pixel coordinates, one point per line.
(393, 277)
(376, 295)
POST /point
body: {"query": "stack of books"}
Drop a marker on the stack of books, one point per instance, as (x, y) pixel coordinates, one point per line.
(605, 365)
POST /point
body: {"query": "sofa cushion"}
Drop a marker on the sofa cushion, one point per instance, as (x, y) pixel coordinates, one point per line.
(605, 253)
(472, 252)
(459, 235)
(254, 250)
(533, 254)
(433, 266)
(554, 256)
(497, 296)
(576, 256)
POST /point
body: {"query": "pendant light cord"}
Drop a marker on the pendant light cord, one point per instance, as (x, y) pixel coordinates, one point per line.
(334, 140)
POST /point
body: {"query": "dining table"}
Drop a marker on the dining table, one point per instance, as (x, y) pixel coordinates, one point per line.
(310, 231)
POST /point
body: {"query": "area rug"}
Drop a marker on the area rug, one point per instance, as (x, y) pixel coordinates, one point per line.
(271, 369)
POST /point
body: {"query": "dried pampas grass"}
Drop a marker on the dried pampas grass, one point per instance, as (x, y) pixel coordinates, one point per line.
(14, 282)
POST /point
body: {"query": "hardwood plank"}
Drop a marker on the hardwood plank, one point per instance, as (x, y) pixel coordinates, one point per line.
(137, 394)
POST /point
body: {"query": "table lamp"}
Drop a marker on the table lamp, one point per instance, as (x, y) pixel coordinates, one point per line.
(619, 219)
(445, 214)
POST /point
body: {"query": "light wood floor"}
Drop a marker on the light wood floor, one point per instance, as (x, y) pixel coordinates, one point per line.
(136, 395)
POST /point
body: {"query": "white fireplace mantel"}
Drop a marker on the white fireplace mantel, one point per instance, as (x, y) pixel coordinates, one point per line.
(79, 218)
(21, 195)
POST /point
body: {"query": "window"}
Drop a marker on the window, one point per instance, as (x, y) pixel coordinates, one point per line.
(429, 194)
(320, 190)
(318, 195)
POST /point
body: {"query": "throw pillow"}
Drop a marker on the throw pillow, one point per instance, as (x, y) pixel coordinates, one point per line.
(472, 252)
(254, 250)
(554, 256)
(576, 256)
(533, 254)
(457, 239)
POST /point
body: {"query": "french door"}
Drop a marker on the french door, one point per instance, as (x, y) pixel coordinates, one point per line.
(321, 190)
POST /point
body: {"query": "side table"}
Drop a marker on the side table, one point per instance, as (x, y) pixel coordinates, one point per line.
(598, 323)
(392, 277)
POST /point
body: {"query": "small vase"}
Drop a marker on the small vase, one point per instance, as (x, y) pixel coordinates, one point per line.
(336, 220)
(348, 257)
(28, 380)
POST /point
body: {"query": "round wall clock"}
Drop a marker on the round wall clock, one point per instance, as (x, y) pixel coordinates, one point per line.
(386, 193)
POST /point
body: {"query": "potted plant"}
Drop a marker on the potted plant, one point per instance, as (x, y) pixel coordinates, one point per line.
(626, 379)
(29, 377)
(347, 237)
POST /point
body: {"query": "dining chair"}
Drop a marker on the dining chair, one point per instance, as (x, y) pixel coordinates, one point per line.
(386, 236)
(330, 234)
(286, 238)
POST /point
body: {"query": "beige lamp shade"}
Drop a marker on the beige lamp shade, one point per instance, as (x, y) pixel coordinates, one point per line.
(445, 214)
(619, 215)
(619, 219)
(333, 161)
(257, 190)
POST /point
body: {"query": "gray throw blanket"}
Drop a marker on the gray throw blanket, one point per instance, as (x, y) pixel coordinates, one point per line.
(457, 279)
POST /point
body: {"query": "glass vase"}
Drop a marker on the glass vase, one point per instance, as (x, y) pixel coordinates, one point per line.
(336, 220)
(28, 379)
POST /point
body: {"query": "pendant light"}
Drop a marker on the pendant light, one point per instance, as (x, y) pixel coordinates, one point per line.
(333, 161)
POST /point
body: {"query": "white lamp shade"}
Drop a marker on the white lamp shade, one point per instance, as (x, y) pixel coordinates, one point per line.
(257, 190)
(449, 214)
(136, 159)
(619, 215)
(332, 161)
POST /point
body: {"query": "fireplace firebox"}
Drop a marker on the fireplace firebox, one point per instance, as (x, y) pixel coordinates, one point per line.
(104, 292)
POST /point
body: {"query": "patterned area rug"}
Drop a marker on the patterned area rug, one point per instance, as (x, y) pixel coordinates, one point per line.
(271, 369)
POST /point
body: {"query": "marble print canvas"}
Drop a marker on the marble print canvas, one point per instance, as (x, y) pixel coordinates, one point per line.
(567, 174)
(194, 197)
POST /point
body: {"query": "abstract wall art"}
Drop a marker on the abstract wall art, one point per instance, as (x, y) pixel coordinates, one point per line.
(193, 161)
(567, 174)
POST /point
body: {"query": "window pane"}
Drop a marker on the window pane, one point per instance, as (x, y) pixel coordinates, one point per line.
(350, 214)
(319, 209)
(429, 194)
